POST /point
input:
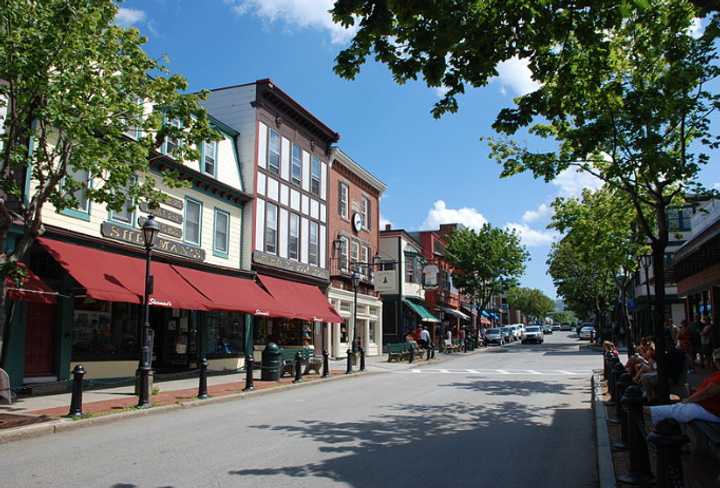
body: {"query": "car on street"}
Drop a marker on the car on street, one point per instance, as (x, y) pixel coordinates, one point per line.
(565, 327)
(507, 333)
(518, 332)
(555, 327)
(547, 329)
(494, 336)
(587, 332)
(533, 334)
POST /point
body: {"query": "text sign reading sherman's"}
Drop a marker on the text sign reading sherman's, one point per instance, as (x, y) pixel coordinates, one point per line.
(132, 236)
(162, 213)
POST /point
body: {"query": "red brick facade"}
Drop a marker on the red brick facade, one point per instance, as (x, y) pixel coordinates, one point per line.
(342, 226)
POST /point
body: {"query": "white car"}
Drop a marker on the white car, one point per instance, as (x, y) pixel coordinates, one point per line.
(587, 332)
(518, 332)
(533, 333)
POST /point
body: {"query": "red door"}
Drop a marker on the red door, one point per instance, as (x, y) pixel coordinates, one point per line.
(40, 340)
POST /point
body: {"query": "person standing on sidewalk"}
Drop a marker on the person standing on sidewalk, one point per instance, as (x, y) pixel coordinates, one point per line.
(424, 338)
(706, 342)
(684, 344)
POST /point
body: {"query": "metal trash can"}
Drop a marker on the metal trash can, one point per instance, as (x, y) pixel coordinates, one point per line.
(271, 363)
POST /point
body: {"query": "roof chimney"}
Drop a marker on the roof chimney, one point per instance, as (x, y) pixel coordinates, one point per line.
(388, 226)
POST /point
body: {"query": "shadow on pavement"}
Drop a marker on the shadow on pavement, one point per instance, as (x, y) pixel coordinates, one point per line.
(511, 387)
(455, 444)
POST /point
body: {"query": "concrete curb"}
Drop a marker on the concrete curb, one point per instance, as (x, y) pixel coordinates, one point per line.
(605, 467)
(65, 424)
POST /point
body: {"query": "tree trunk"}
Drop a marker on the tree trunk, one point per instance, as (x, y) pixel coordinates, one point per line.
(658, 252)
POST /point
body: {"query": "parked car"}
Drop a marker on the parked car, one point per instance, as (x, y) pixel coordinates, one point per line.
(533, 334)
(555, 327)
(587, 332)
(579, 327)
(547, 329)
(494, 336)
(507, 334)
(565, 327)
(518, 332)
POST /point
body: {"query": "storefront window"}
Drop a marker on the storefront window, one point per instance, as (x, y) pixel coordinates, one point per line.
(282, 332)
(343, 332)
(226, 333)
(373, 327)
(105, 331)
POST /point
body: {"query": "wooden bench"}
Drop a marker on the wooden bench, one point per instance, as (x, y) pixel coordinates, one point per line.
(397, 351)
(309, 361)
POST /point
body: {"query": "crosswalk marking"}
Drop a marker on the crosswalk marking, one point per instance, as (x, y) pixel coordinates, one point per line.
(502, 372)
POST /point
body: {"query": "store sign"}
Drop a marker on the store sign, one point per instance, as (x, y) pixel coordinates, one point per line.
(430, 276)
(162, 213)
(160, 303)
(132, 236)
(290, 265)
(385, 281)
(168, 230)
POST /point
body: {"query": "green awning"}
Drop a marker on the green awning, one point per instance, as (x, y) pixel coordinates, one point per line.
(421, 311)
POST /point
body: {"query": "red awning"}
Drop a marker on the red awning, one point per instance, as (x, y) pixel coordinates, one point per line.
(231, 293)
(29, 289)
(305, 302)
(118, 278)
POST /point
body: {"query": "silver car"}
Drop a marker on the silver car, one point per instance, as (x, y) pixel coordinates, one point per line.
(587, 332)
(494, 336)
(533, 333)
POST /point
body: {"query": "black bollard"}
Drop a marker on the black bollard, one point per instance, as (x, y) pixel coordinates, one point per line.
(349, 362)
(615, 372)
(668, 439)
(202, 387)
(621, 384)
(412, 355)
(640, 472)
(465, 345)
(77, 391)
(298, 368)
(432, 350)
(362, 358)
(249, 378)
(326, 365)
(427, 357)
(607, 357)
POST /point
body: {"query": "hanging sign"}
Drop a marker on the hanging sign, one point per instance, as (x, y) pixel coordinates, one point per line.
(430, 276)
(385, 281)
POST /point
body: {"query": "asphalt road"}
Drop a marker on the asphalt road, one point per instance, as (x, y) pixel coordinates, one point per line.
(517, 418)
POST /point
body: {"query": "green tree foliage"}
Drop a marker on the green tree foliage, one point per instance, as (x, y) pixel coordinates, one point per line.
(564, 317)
(72, 85)
(486, 262)
(530, 301)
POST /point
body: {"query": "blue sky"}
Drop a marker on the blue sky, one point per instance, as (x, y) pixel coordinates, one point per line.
(436, 171)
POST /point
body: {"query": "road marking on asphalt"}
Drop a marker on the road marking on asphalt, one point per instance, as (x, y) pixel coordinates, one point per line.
(502, 372)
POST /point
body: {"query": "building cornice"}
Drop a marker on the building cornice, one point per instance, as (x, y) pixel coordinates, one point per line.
(352, 165)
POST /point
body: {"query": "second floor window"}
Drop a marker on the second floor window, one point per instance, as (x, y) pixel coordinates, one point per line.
(365, 258)
(315, 176)
(314, 245)
(270, 228)
(365, 205)
(193, 217)
(125, 214)
(222, 232)
(343, 192)
(209, 161)
(355, 254)
(296, 166)
(274, 152)
(171, 143)
(294, 237)
(81, 177)
(344, 265)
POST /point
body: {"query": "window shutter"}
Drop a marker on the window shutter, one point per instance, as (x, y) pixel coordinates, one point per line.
(368, 219)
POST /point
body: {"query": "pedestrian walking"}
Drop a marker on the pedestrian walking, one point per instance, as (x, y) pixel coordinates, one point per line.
(424, 338)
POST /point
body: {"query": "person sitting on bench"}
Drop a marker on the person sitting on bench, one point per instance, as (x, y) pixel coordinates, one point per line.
(704, 404)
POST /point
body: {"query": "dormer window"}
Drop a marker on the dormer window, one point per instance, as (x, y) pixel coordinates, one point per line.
(171, 143)
(209, 158)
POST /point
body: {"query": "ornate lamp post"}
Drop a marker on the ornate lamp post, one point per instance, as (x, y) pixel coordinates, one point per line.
(355, 277)
(150, 230)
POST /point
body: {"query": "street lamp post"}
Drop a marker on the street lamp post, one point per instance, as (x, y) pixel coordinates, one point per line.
(150, 229)
(355, 277)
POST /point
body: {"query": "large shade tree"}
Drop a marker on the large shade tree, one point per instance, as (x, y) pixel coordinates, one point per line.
(623, 87)
(485, 262)
(73, 85)
(532, 302)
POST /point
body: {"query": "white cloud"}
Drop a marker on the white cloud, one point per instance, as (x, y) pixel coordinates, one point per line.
(541, 212)
(572, 181)
(384, 222)
(127, 17)
(716, 186)
(441, 214)
(514, 74)
(304, 14)
(697, 28)
(533, 237)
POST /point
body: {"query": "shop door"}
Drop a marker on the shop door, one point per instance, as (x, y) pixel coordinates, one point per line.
(40, 340)
(174, 339)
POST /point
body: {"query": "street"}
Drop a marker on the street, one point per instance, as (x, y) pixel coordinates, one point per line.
(513, 417)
